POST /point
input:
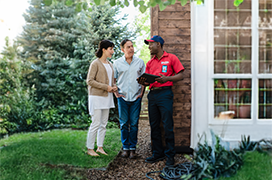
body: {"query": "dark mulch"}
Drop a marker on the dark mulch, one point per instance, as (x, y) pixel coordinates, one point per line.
(130, 169)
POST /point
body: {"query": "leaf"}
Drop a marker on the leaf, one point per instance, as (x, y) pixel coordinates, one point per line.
(172, 1)
(183, 176)
(47, 2)
(142, 8)
(97, 2)
(188, 177)
(153, 3)
(141, 3)
(102, 2)
(166, 3)
(237, 3)
(199, 2)
(78, 7)
(69, 3)
(126, 3)
(162, 6)
(158, 1)
(183, 2)
(85, 6)
(135, 3)
(112, 2)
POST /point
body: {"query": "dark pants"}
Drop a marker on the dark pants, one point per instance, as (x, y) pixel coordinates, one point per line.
(160, 108)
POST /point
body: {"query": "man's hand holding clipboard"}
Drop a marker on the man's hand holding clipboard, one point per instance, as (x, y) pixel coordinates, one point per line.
(146, 79)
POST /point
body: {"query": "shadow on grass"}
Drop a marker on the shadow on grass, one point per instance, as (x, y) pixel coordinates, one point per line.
(56, 154)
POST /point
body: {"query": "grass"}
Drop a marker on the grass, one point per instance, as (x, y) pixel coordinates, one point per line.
(60, 154)
(257, 166)
(52, 154)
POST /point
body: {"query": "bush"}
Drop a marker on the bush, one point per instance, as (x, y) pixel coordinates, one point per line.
(217, 160)
(19, 112)
(213, 161)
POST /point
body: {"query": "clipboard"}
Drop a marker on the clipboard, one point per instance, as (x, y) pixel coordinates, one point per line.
(150, 78)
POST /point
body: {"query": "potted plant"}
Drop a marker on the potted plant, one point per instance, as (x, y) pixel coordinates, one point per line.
(232, 83)
(245, 107)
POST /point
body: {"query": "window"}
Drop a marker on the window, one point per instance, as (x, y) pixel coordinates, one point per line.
(265, 36)
(232, 95)
(242, 65)
(265, 98)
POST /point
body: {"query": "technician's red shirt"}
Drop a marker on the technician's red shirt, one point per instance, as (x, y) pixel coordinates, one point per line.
(167, 65)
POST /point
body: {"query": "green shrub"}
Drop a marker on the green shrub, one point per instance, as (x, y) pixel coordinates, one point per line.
(213, 161)
(20, 112)
(217, 160)
(247, 145)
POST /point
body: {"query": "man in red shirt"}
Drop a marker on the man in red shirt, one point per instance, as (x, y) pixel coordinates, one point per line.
(160, 99)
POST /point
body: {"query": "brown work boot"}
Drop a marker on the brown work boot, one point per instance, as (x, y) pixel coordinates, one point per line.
(132, 154)
(125, 154)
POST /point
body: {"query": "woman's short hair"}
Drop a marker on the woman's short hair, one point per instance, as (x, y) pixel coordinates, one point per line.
(104, 44)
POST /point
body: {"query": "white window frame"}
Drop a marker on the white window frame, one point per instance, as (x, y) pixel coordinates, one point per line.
(254, 76)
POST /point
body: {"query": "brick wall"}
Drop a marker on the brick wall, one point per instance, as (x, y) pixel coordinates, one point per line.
(174, 25)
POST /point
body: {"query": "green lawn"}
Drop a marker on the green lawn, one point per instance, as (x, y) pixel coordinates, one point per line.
(257, 166)
(36, 155)
(60, 154)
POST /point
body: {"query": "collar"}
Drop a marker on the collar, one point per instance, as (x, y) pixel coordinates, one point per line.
(133, 58)
(165, 54)
(101, 62)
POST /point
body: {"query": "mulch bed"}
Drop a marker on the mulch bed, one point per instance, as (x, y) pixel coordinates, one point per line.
(130, 169)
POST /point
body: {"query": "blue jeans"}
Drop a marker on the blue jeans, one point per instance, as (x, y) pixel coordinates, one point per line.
(129, 117)
(160, 108)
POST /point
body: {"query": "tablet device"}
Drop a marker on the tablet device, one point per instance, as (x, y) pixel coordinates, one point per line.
(150, 78)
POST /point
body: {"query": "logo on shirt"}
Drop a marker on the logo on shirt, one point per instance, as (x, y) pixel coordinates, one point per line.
(165, 62)
(164, 68)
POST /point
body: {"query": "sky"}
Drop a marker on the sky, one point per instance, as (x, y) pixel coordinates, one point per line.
(12, 21)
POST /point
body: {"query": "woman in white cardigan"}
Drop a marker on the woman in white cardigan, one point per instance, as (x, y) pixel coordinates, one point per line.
(100, 88)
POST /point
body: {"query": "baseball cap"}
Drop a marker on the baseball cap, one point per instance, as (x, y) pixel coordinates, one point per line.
(154, 39)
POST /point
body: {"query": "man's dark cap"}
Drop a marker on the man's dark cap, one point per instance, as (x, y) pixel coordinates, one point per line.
(154, 39)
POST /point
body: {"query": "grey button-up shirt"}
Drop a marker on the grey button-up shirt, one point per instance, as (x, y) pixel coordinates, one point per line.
(126, 75)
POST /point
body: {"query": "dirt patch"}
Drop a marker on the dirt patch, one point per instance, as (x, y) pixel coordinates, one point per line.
(130, 169)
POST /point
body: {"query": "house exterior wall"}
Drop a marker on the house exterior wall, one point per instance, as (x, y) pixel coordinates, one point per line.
(174, 25)
(189, 33)
(203, 120)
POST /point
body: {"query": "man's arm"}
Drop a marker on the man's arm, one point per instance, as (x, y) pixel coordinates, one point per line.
(116, 93)
(142, 92)
(163, 79)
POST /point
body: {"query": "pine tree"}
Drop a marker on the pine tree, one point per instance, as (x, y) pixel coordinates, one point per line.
(61, 42)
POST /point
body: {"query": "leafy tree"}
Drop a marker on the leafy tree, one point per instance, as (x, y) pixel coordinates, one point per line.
(143, 6)
(142, 22)
(10, 69)
(16, 100)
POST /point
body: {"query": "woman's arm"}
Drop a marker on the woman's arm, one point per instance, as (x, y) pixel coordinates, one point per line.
(93, 69)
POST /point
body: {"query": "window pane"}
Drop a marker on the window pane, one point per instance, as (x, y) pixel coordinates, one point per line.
(265, 13)
(227, 4)
(232, 95)
(232, 37)
(265, 98)
(265, 36)
(265, 51)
